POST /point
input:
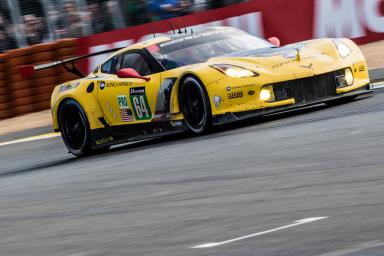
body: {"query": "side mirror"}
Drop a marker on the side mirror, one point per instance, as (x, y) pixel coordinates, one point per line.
(275, 41)
(131, 73)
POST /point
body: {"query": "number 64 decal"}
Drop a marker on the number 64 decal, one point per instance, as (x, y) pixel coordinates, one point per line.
(140, 104)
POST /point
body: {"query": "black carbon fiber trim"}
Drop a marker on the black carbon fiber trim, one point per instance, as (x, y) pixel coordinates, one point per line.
(306, 89)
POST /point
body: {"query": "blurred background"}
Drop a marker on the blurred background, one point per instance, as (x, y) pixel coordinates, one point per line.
(165, 196)
(30, 22)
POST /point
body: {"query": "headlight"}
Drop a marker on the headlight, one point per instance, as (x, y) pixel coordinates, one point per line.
(342, 48)
(234, 71)
(348, 76)
(266, 94)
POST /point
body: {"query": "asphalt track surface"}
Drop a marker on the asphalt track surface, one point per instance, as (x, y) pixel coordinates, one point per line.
(166, 196)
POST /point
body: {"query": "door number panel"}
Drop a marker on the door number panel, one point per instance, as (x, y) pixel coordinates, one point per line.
(139, 102)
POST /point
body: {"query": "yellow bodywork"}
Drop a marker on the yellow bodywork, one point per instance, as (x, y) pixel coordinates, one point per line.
(313, 58)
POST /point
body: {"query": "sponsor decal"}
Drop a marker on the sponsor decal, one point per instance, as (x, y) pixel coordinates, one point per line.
(139, 103)
(122, 100)
(244, 86)
(163, 102)
(126, 115)
(177, 124)
(137, 91)
(160, 117)
(118, 84)
(217, 101)
(104, 140)
(66, 87)
(362, 68)
(280, 64)
(308, 66)
(125, 111)
(102, 85)
(193, 36)
(111, 111)
(157, 130)
(234, 95)
(239, 87)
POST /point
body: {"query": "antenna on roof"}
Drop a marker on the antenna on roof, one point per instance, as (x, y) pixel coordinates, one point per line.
(173, 29)
(185, 27)
(153, 32)
(178, 27)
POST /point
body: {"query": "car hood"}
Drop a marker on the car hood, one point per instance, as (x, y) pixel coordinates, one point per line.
(296, 60)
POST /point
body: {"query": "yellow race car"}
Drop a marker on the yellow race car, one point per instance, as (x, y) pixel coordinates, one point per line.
(191, 81)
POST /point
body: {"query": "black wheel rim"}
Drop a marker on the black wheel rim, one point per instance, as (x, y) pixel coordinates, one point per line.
(193, 105)
(74, 128)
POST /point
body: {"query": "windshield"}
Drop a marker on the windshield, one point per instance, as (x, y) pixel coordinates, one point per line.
(198, 48)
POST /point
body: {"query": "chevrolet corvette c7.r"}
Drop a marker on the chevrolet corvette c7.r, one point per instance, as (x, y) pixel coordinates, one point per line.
(192, 81)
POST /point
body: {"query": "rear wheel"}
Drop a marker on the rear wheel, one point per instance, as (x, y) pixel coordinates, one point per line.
(75, 129)
(194, 104)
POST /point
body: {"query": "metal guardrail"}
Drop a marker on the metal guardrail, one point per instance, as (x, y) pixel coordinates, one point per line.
(376, 75)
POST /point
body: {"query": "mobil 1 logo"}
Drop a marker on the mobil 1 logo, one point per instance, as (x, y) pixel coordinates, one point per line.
(139, 103)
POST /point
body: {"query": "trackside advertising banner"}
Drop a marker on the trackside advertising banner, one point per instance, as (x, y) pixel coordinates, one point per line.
(289, 20)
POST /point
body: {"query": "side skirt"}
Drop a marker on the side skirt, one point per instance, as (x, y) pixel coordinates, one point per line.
(113, 135)
(232, 117)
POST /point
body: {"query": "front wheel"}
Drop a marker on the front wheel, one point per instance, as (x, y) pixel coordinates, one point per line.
(195, 106)
(74, 128)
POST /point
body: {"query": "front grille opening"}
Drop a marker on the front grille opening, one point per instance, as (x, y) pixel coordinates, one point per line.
(306, 89)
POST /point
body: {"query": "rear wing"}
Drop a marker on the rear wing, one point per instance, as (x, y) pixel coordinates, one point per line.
(28, 70)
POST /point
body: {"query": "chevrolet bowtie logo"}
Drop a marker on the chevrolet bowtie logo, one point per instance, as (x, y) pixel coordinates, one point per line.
(308, 67)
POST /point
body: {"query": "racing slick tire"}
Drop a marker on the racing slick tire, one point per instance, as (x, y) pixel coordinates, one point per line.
(195, 106)
(341, 101)
(74, 128)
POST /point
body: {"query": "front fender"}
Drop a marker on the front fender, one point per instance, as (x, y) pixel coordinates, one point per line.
(202, 72)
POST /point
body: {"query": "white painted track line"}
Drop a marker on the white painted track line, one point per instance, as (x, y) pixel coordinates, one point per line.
(294, 224)
(357, 248)
(33, 138)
